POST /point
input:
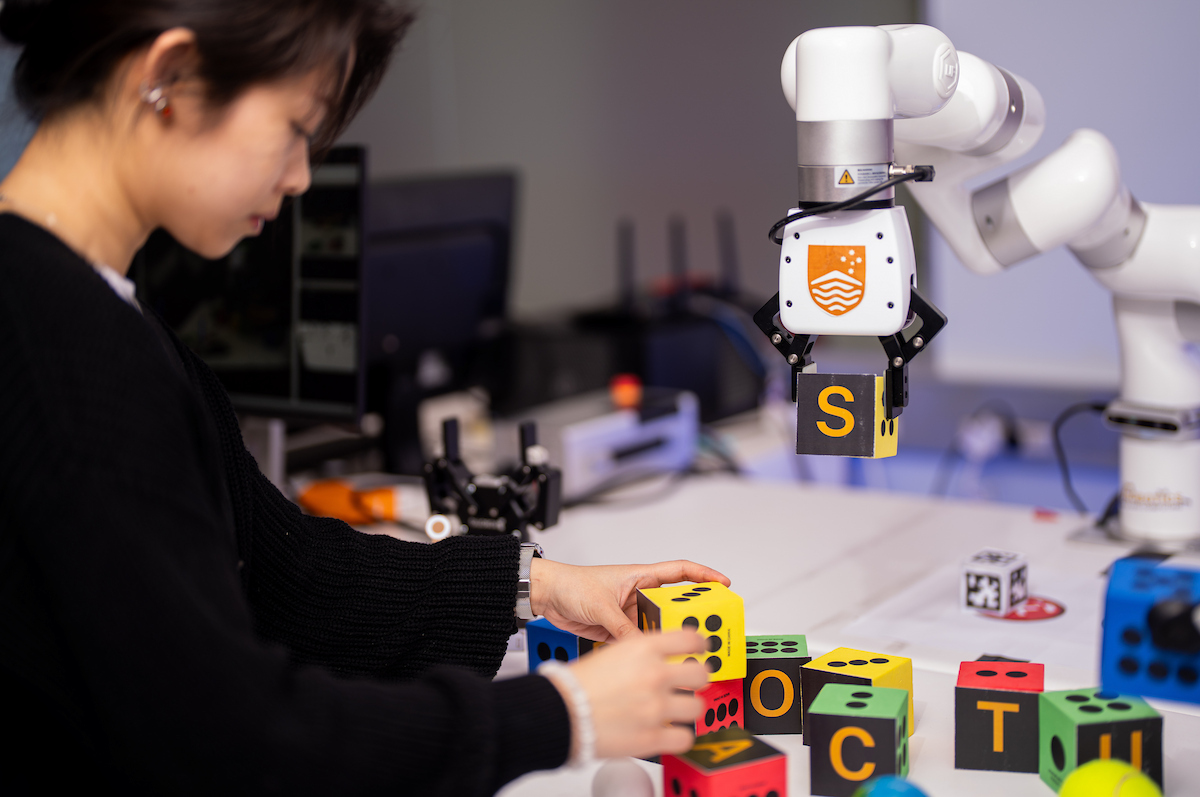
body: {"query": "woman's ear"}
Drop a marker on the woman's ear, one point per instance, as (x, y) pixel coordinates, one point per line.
(171, 58)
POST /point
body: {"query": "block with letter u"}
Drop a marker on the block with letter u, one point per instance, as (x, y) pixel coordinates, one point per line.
(844, 415)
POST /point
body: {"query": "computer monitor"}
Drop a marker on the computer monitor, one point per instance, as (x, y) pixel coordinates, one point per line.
(278, 319)
(436, 269)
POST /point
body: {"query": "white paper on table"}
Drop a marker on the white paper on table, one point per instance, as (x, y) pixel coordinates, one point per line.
(928, 614)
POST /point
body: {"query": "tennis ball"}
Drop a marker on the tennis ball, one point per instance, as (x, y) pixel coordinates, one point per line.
(888, 786)
(1108, 778)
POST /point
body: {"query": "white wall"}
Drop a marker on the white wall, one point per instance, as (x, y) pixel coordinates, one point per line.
(607, 108)
(1129, 70)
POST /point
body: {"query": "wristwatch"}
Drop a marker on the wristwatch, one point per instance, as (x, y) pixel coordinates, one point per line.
(528, 551)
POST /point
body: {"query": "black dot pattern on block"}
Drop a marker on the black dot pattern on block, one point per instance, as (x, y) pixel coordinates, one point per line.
(1107, 695)
(1090, 709)
(749, 645)
(791, 650)
(733, 724)
(1128, 665)
(862, 695)
(772, 793)
(691, 622)
(560, 653)
(1158, 670)
(1131, 636)
(1187, 674)
(880, 661)
(693, 793)
(713, 623)
(713, 663)
(1016, 674)
(680, 600)
(676, 786)
(691, 594)
(713, 644)
(701, 589)
(710, 717)
(543, 651)
(722, 713)
(691, 658)
(837, 664)
(858, 662)
(904, 726)
(856, 704)
(1058, 753)
(987, 673)
(1120, 706)
(1078, 698)
(882, 428)
(733, 706)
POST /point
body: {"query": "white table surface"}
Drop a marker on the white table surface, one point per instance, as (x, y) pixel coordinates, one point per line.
(813, 560)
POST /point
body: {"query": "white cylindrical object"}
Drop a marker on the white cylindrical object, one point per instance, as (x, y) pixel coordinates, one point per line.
(1068, 191)
(971, 117)
(1166, 263)
(923, 71)
(1160, 490)
(1157, 369)
(840, 74)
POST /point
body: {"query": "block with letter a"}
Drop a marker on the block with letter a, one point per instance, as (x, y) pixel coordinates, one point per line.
(843, 415)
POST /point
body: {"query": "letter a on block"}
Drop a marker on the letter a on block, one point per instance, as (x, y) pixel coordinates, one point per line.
(719, 751)
(835, 752)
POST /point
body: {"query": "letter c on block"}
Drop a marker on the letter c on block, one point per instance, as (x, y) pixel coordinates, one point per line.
(789, 693)
(838, 412)
(835, 752)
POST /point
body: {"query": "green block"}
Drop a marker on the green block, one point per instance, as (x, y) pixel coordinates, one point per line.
(852, 700)
(776, 647)
(1081, 725)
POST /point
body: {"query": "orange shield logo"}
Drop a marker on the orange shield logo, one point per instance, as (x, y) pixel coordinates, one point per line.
(837, 277)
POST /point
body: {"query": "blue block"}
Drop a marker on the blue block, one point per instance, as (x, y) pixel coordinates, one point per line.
(1151, 642)
(545, 641)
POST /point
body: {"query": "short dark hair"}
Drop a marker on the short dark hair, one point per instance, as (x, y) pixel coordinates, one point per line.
(72, 47)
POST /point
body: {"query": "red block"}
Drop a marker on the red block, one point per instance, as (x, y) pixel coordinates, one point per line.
(996, 724)
(722, 707)
(1002, 675)
(728, 763)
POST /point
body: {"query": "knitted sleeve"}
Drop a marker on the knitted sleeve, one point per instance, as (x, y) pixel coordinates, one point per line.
(354, 602)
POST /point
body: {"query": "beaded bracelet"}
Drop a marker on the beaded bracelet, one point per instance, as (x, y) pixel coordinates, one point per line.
(583, 731)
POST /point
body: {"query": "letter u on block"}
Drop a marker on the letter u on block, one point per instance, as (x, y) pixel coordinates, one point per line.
(835, 752)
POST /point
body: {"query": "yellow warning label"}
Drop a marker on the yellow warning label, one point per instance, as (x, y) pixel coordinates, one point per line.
(846, 178)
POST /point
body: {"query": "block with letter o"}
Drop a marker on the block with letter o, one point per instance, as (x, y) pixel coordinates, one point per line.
(772, 684)
(843, 415)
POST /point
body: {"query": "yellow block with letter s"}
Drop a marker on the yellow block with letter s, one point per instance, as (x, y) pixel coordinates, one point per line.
(843, 415)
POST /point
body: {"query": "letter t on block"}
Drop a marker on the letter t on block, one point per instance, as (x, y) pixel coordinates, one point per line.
(996, 716)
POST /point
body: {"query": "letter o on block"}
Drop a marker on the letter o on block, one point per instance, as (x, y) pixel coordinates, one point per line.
(789, 693)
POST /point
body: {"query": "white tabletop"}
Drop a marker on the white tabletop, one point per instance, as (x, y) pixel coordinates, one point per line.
(833, 564)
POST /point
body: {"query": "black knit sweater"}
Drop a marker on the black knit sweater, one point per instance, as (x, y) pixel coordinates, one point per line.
(170, 623)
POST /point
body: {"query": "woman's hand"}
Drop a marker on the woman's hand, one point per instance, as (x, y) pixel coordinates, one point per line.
(635, 694)
(600, 603)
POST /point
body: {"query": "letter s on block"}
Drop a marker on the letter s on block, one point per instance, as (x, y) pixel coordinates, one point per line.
(836, 411)
(835, 752)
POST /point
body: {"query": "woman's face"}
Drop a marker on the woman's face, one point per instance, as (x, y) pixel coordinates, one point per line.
(219, 175)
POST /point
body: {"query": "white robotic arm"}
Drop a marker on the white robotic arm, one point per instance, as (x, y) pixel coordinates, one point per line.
(966, 117)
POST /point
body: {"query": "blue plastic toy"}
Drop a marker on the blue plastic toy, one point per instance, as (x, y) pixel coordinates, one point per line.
(1151, 643)
(888, 786)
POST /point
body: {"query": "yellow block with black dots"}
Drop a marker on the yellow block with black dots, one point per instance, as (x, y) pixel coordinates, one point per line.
(712, 609)
(850, 666)
(844, 415)
(1108, 778)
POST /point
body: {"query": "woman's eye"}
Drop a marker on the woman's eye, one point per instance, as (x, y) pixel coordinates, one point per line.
(302, 133)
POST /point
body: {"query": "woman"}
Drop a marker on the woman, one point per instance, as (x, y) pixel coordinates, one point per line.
(170, 622)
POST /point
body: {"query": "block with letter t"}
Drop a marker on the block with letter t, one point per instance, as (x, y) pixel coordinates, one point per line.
(1078, 726)
(546, 641)
(772, 684)
(856, 733)
(994, 582)
(727, 763)
(857, 667)
(996, 716)
(844, 415)
(712, 609)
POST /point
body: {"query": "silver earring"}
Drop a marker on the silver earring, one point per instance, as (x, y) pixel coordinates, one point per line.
(156, 98)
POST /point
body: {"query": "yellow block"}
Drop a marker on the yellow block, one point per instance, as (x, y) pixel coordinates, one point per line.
(879, 669)
(712, 609)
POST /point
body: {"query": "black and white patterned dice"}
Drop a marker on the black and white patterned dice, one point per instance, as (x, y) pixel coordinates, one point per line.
(994, 582)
